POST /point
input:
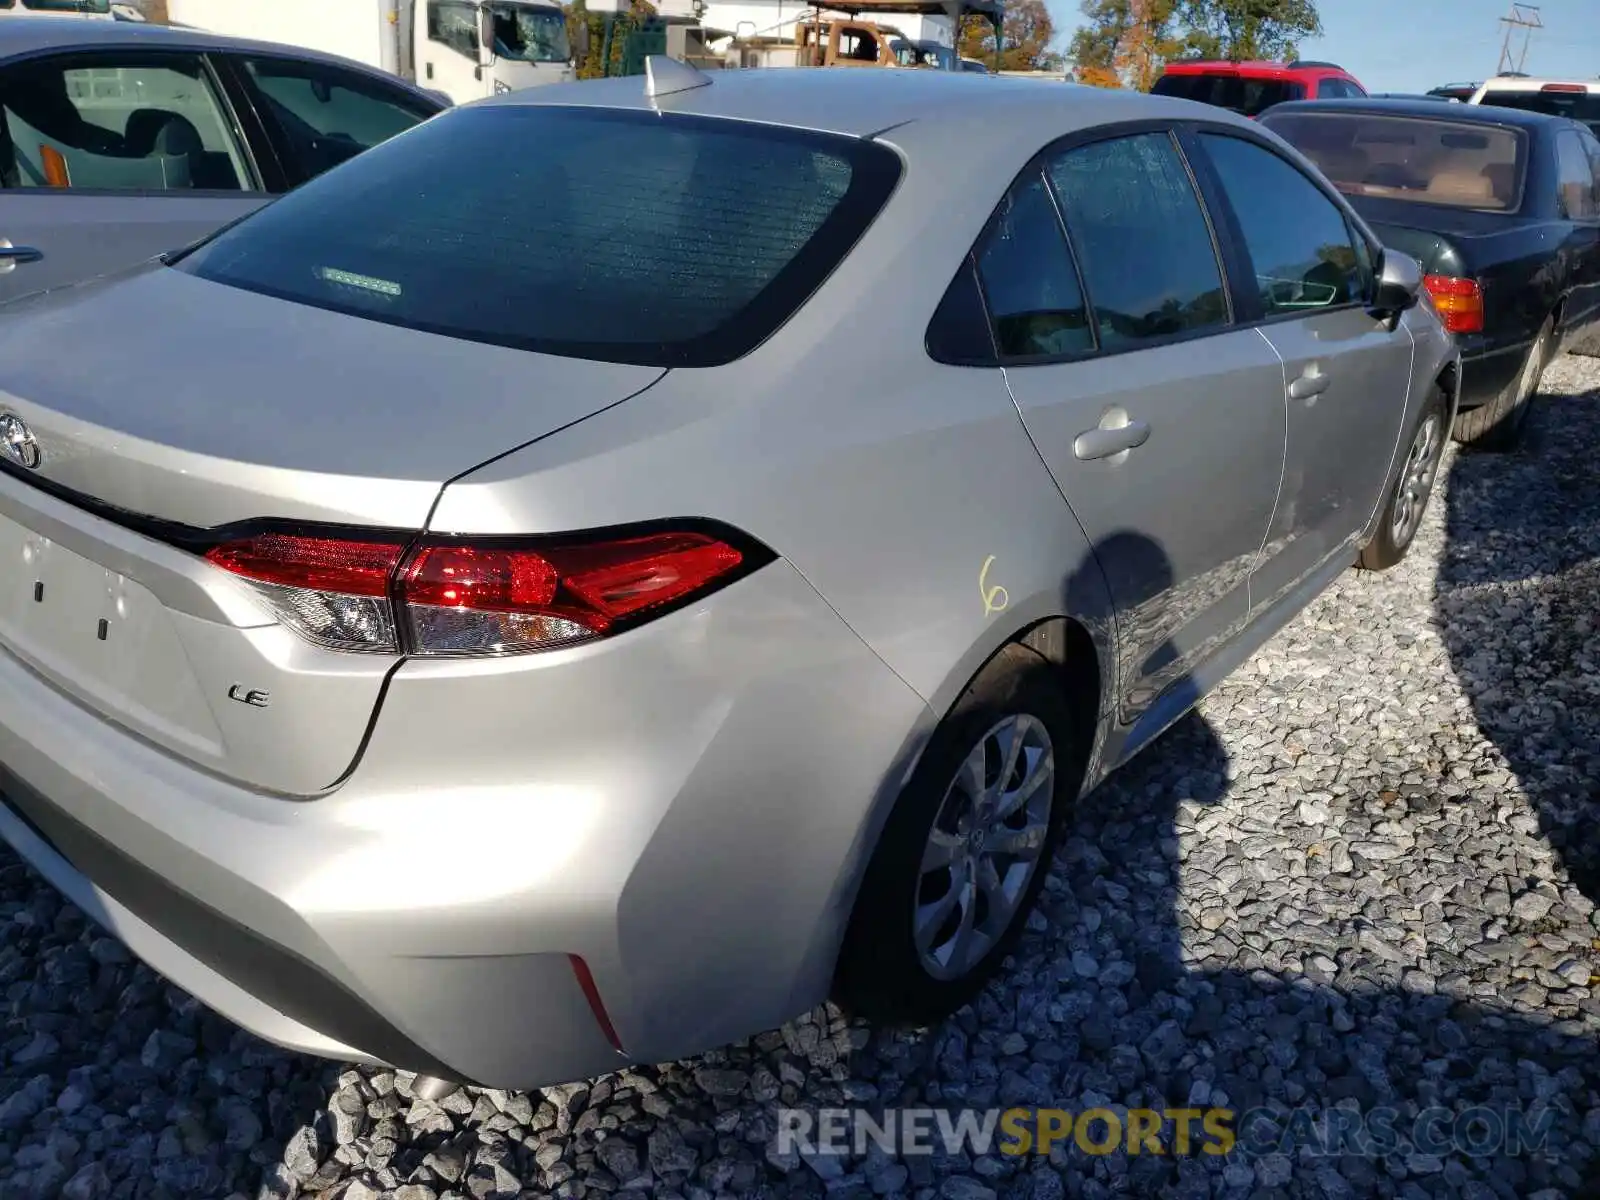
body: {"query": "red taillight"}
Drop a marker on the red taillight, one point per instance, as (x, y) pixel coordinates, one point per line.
(1565, 87)
(1459, 301)
(473, 599)
(319, 564)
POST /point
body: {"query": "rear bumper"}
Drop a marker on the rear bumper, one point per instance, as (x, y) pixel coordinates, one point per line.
(685, 808)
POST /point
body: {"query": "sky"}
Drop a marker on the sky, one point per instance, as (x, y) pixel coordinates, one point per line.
(1413, 45)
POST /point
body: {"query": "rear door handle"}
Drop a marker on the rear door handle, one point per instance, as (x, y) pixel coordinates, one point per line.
(1312, 383)
(1105, 443)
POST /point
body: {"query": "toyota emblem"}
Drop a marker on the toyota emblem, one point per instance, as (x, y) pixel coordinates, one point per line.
(17, 443)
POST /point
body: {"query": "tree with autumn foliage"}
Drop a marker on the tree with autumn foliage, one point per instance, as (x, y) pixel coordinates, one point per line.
(1125, 43)
(1027, 30)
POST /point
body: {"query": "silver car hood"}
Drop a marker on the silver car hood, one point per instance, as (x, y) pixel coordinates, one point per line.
(168, 396)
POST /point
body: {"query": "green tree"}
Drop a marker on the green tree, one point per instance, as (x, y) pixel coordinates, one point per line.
(1249, 29)
(591, 64)
(1127, 41)
(1028, 31)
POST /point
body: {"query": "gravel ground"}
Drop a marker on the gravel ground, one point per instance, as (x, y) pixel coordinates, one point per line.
(1361, 875)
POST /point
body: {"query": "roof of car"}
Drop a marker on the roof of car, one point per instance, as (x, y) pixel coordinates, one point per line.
(37, 34)
(1197, 66)
(864, 103)
(1473, 114)
(1521, 83)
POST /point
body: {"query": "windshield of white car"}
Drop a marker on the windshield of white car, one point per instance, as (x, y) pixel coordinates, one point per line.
(1423, 160)
(614, 235)
(530, 34)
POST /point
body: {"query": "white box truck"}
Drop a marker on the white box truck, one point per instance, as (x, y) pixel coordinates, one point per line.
(467, 49)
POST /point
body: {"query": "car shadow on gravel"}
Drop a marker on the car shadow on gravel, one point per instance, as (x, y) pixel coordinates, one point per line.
(1518, 599)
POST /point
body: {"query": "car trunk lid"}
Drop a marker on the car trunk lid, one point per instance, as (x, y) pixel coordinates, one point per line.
(169, 412)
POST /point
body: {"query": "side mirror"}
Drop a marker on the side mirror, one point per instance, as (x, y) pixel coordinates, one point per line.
(580, 43)
(1399, 283)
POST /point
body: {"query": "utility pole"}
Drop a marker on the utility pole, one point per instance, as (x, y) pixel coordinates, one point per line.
(1526, 18)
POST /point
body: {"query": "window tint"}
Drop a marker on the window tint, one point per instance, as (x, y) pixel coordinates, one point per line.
(616, 235)
(1576, 177)
(1248, 96)
(1298, 240)
(322, 116)
(1334, 89)
(1425, 160)
(1034, 299)
(1142, 239)
(126, 125)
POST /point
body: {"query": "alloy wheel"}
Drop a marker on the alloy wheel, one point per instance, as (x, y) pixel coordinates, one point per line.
(984, 847)
(1416, 481)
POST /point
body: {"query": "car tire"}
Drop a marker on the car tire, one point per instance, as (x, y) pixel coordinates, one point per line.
(1498, 425)
(1413, 487)
(886, 972)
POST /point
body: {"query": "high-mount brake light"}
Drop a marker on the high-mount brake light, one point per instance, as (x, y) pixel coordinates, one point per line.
(1564, 87)
(475, 598)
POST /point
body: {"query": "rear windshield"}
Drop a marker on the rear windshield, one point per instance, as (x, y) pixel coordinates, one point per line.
(1579, 106)
(1247, 96)
(620, 236)
(1420, 159)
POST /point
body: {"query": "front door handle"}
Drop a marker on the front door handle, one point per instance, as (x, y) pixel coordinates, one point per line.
(1312, 383)
(12, 257)
(1109, 441)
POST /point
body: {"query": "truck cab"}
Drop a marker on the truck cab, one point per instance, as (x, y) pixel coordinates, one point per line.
(469, 49)
(100, 10)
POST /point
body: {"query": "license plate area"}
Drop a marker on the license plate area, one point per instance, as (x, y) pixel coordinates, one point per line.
(99, 636)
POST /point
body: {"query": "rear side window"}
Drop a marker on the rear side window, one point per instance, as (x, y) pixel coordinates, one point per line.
(1143, 242)
(619, 236)
(123, 122)
(1576, 177)
(1247, 96)
(1033, 294)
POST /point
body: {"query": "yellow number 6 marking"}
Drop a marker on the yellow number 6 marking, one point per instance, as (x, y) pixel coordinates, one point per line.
(995, 599)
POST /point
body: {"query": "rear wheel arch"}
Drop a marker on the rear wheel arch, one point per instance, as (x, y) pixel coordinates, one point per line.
(1068, 647)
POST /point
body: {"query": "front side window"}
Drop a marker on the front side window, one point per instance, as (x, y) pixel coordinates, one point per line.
(120, 124)
(321, 116)
(527, 34)
(454, 24)
(1143, 242)
(613, 235)
(1298, 240)
(1424, 160)
(1034, 300)
(1575, 176)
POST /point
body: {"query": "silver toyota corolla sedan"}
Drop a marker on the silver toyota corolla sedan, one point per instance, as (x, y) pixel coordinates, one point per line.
(615, 565)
